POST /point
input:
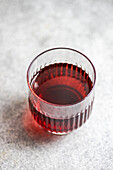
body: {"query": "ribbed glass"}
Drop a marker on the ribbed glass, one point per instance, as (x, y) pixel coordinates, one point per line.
(60, 119)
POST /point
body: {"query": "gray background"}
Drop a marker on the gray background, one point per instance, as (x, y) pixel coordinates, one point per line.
(27, 27)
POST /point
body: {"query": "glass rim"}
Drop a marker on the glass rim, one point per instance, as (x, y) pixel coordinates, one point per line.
(60, 48)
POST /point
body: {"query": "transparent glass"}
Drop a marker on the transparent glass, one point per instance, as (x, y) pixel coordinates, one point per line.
(55, 117)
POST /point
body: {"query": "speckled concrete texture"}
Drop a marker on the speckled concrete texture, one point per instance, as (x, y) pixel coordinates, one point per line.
(26, 29)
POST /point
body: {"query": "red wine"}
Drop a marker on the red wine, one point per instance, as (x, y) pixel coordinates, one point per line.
(61, 84)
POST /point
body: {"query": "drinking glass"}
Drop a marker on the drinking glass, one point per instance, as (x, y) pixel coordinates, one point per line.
(60, 118)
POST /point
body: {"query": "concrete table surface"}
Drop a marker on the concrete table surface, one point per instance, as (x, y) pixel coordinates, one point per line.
(26, 29)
